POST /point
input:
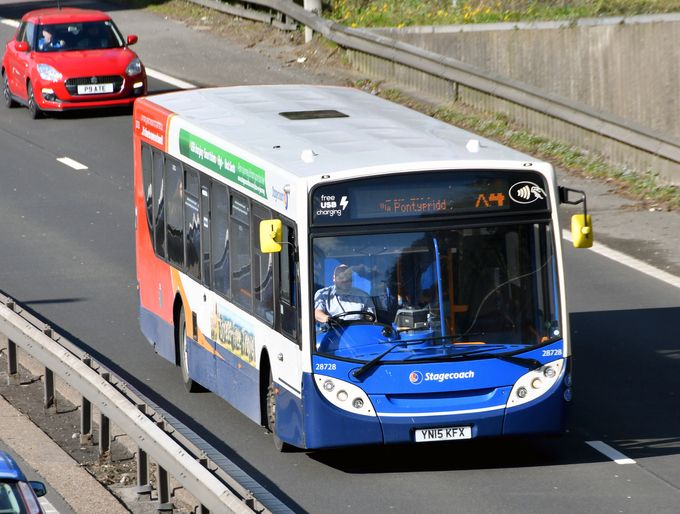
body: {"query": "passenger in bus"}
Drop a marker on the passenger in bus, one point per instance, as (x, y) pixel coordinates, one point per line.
(341, 297)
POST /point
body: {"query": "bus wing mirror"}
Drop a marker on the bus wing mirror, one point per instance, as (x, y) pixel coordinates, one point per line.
(581, 224)
(270, 236)
(582, 230)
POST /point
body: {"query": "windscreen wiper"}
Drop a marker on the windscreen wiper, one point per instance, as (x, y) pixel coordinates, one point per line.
(372, 363)
(511, 357)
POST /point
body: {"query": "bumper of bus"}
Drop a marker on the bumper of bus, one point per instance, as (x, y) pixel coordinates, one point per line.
(328, 426)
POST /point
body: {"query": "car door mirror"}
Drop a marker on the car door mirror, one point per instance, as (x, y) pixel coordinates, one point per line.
(21, 46)
(132, 39)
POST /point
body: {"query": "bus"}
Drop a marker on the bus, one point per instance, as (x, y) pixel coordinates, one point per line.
(248, 200)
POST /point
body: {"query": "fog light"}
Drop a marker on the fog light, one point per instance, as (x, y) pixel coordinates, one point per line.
(549, 372)
(536, 383)
(522, 392)
(48, 94)
(328, 385)
(342, 395)
(357, 403)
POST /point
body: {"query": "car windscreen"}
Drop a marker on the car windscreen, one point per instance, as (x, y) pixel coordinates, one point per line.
(89, 35)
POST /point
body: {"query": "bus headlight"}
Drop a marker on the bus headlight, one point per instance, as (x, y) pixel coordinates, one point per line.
(359, 403)
(535, 383)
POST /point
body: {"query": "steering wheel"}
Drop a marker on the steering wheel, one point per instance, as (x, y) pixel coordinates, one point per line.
(365, 316)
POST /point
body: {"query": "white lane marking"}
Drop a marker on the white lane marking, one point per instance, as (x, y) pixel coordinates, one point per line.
(169, 80)
(71, 163)
(47, 506)
(11, 23)
(631, 262)
(610, 452)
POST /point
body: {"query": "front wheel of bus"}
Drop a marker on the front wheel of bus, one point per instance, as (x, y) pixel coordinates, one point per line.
(271, 416)
(189, 384)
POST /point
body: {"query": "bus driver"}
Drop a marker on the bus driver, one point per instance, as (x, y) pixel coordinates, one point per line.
(341, 297)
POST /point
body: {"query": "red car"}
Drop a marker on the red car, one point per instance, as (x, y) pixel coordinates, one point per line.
(69, 58)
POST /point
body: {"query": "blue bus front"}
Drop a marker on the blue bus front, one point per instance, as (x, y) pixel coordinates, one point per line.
(449, 324)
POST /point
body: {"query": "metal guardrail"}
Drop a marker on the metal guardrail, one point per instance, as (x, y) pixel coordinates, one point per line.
(649, 149)
(210, 477)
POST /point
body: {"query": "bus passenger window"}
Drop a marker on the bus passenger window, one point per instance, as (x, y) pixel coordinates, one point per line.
(147, 170)
(219, 231)
(159, 204)
(263, 270)
(192, 224)
(288, 284)
(174, 223)
(240, 250)
(205, 232)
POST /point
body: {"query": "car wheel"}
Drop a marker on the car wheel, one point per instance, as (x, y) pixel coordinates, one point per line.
(33, 108)
(271, 416)
(6, 93)
(189, 384)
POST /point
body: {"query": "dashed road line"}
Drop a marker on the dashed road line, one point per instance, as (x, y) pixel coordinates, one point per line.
(610, 452)
(71, 163)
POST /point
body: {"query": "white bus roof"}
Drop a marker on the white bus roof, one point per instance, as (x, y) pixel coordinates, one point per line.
(329, 129)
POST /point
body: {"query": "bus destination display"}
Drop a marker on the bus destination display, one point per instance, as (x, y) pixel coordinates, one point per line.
(433, 194)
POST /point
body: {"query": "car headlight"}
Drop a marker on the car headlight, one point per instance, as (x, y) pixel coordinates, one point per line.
(134, 68)
(47, 72)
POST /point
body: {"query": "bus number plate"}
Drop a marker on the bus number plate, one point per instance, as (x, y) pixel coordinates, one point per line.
(424, 435)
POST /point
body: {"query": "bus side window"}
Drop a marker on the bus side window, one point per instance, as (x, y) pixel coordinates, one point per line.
(192, 223)
(288, 283)
(159, 204)
(147, 171)
(174, 219)
(219, 235)
(205, 232)
(239, 228)
(263, 270)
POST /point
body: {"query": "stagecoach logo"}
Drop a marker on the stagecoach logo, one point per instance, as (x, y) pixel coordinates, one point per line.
(416, 377)
(526, 192)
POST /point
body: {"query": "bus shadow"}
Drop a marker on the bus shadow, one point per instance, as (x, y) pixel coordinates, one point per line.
(627, 379)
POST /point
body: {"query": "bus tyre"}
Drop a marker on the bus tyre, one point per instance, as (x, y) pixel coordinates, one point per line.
(189, 384)
(6, 93)
(33, 108)
(271, 416)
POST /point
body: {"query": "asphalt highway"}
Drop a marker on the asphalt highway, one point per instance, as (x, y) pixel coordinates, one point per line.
(67, 252)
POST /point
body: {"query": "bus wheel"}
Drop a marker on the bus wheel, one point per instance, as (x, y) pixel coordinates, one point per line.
(33, 108)
(271, 416)
(189, 384)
